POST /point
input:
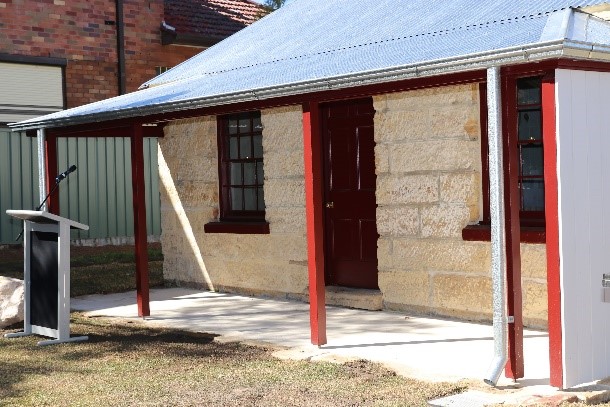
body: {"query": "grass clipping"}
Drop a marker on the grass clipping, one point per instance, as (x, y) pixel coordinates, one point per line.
(129, 364)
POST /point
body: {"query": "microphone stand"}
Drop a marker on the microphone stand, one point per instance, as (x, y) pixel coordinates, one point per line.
(49, 194)
(57, 181)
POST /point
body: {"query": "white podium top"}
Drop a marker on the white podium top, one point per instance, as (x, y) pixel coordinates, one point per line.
(44, 217)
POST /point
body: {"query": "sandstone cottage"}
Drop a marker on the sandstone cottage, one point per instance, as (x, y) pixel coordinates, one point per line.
(343, 145)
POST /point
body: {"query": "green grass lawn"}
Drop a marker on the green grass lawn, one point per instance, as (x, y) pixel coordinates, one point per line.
(95, 270)
(129, 364)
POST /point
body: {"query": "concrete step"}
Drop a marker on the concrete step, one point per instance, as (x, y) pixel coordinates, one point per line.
(357, 298)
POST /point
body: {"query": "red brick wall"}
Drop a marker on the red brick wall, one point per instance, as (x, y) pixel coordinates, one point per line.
(76, 30)
(143, 49)
(87, 82)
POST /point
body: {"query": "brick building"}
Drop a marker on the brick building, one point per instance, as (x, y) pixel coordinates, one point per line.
(58, 54)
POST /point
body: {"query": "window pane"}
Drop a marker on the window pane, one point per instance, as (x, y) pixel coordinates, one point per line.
(260, 173)
(241, 166)
(233, 148)
(256, 122)
(530, 127)
(532, 195)
(245, 147)
(528, 91)
(232, 126)
(236, 178)
(237, 199)
(244, 126)
(250, 199)
(249, 174)
(258, 146)
(532, 160)
(261, 199)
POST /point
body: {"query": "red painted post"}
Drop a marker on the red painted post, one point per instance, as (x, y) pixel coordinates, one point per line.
(315, 238)
(50, 147)
(515, 364)
(551, 200)
(139, 219)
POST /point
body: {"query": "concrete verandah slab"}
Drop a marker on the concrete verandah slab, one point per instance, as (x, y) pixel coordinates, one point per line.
(423, 348)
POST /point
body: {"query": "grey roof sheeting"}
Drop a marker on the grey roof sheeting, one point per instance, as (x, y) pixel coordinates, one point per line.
(310, 45)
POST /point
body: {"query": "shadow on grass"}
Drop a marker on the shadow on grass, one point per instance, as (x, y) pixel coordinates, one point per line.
(22, 360)
(13, 373)
(109, 338)
(19, 360)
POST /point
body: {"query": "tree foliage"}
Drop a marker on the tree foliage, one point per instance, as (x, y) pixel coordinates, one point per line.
(272, 5)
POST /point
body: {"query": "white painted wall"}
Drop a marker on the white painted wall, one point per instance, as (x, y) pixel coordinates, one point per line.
(583, 133)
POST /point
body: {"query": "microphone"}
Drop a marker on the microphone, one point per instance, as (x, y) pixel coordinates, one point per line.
(65, 174)
(57, 181)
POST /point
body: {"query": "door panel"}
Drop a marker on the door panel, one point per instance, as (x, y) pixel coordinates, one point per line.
(343, 231)
(350, 226)
(368, 243)
(366, 169)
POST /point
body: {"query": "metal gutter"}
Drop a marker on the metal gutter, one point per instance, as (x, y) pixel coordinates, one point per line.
(189, 40)
(483, 60)
(496, 206)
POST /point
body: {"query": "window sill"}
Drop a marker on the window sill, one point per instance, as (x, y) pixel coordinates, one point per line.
(242, 228)
(482, 233)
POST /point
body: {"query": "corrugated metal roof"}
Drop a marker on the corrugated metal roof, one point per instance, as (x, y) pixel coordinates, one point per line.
(310, 45)
(308, 27)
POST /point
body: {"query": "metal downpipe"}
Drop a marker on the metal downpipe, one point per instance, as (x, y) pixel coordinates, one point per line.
(42, 167)
(120, 46)
(496, 203)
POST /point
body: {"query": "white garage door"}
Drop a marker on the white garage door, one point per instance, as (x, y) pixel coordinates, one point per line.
(28, 91)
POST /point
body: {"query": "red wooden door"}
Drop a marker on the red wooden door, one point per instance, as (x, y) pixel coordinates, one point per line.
(349, 172)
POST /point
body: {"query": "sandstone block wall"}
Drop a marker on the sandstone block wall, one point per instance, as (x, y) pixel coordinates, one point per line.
(428, 165)
(273, 264)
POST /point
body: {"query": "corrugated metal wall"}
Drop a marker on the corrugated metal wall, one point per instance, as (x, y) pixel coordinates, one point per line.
(18, 180)
(97, 194)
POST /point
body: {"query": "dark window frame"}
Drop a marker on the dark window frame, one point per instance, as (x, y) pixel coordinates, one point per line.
(161, 69)
(528, 217)
(532, 223)
(43, 61)
(234, 220)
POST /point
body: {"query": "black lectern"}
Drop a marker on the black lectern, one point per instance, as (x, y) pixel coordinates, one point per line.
(46, 275)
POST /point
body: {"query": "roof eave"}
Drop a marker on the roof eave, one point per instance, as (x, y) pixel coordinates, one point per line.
(190, 40)
(587, 51)
(514, 55)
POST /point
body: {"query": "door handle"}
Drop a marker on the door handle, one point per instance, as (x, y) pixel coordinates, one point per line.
(330, 205)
